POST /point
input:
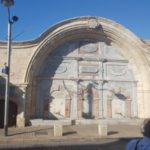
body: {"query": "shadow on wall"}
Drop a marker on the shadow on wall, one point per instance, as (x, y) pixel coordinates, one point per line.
(53, 64)
(15, 103)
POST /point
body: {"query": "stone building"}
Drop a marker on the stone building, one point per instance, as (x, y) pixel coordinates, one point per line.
(81, 68)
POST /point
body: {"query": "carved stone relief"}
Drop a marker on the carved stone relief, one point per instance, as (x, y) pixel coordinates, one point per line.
(87, 47)
(56, 68)
(57, 103)
(118, 71)
(88, 69)
(120, 99)
(87, 97)
(118, 108)
(110, 52)
(78, 86)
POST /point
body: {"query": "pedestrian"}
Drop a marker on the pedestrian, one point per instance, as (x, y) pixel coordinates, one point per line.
(144, 143)
(5, 69)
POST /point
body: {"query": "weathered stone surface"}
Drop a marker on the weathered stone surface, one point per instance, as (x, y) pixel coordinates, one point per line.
(20, 121)
(89, 69)
(102, 130)
(58, 130)
(52, 66)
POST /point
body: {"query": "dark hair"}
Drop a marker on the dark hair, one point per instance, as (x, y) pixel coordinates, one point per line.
(146, 128)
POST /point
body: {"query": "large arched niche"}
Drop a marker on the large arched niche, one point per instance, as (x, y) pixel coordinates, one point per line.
(101, 30)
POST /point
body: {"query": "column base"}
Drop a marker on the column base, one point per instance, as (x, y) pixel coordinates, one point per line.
(20, 121)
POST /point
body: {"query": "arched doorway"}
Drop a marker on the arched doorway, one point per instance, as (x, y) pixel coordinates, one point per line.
(12, 113)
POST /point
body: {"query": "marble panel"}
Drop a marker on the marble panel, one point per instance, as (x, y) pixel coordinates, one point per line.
(60, 68)
(88, 69)
(110, 52)
(88, 47)
(118, 71)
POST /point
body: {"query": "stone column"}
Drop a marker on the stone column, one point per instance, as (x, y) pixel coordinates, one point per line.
(101, 101)
(95, 107)
(74, 107)
(80, 107)
(109, 107)
(33, 98)
(67, 107)
(21, 120)
(80, 103)
(101, 109)
(95, 103)
(128, 107)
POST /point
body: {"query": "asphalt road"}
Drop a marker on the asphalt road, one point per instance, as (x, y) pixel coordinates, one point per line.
(78, 137)
(95, 144)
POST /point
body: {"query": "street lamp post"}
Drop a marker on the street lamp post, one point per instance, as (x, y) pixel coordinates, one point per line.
(8, 4)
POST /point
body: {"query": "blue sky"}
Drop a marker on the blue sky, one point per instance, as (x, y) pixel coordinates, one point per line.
(36, 16)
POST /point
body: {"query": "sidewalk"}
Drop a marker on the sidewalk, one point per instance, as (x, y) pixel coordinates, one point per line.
(72, 135)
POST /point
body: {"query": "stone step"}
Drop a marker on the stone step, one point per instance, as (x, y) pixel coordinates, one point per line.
(41, 122)
(111, 121)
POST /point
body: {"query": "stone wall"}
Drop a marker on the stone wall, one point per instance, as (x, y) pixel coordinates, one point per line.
(123, 71)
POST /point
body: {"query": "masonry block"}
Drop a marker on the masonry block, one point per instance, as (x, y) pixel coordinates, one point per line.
(102, 130)
(58, 130)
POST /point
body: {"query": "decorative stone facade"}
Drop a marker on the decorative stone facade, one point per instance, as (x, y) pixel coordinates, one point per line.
(82, 68)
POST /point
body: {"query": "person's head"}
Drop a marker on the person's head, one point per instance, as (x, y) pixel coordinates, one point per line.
(146, 128)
